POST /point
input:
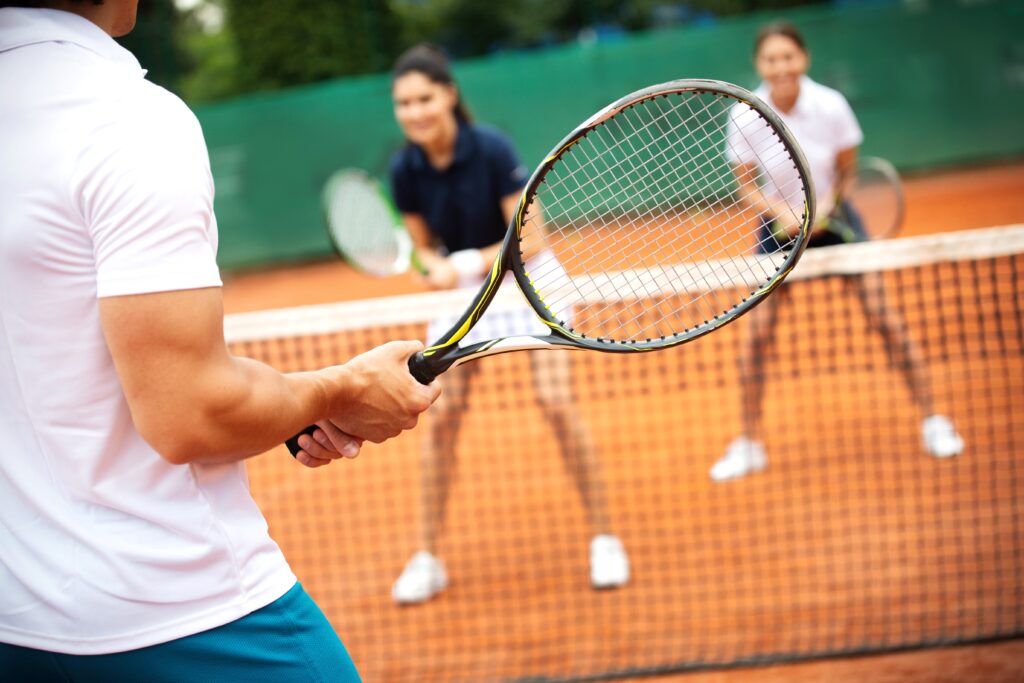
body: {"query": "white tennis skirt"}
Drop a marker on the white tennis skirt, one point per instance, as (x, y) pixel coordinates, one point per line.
(514, 317)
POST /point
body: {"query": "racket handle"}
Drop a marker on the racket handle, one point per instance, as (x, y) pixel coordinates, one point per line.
(420, 369)
(293, 443)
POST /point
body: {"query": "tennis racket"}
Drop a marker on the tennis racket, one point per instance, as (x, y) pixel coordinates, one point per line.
(870, 205)
(631, 236)
(364, 227)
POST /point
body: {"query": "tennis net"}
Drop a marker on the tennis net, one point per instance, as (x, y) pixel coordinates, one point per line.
(853, 539)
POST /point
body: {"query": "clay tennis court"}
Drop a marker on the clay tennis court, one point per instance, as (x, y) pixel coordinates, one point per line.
(942, 202)
(853, 543)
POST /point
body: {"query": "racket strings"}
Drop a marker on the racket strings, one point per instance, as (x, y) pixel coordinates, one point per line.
(768, 171)
(583, 169)
(662, 284)
(717, 168)
(653, 216)
(655, 190)
(610, 255)
(722, 167)
(706, 174)
(706, 202)
(615, 171)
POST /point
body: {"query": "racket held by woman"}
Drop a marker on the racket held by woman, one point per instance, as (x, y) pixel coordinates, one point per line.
(364, 227)
(870, 205)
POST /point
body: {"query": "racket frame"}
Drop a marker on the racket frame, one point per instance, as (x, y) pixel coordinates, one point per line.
(446, 352)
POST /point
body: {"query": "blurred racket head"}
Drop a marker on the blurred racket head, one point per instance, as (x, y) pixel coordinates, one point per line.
(876, 197)
(364, 227)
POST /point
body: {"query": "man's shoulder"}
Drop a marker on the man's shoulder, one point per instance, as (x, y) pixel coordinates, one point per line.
(160, 107)
(148, 123)
(137, 124)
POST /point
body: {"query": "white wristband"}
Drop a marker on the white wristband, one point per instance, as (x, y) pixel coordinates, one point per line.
(468, 263)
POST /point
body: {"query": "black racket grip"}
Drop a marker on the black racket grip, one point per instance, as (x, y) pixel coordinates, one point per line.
(418, 368)
(293, 443)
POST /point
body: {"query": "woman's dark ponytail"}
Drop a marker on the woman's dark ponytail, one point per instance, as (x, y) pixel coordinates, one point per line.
(431, 61)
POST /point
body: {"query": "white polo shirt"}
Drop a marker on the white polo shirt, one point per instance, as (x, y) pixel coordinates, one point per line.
(822, 123)
(105, 190)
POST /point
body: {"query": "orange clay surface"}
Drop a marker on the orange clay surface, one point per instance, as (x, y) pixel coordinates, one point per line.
(348, 530)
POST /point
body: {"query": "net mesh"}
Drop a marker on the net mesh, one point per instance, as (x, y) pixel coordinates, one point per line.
(670, 179)
(853, 539)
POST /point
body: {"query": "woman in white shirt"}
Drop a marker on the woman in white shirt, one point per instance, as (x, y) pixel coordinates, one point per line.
(824, 124)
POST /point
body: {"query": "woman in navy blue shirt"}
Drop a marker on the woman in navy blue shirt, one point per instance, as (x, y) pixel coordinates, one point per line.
(457, 184)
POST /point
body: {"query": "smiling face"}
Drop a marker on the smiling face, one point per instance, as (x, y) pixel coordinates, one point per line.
(424, 109)
(781, 62)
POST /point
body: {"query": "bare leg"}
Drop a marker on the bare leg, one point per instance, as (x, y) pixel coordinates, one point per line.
(552, 377)
(438, 455)
(760, 337)
(903, 352)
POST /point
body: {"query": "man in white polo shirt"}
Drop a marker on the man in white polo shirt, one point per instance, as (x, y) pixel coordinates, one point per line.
(127, 531)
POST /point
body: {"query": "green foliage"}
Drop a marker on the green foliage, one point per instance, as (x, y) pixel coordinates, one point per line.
(290, 42)
(472, 27)
(152, 41)
(213, 66)
(269, 44)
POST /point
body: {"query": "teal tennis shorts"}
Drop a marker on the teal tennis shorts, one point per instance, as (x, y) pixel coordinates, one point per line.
(288, 641)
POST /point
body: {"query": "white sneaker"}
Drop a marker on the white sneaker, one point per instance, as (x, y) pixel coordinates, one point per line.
(940, 438)
(742, 457)
(423, 578)
(609, 565)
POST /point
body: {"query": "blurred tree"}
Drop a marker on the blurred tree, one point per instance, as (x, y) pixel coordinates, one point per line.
(152, 41)
(209, 53)
(474, 27)
(211, 49)
(290, 42)
(470, 27)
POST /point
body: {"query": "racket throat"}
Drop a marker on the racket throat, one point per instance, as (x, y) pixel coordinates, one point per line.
(425, 369)
(507, 344)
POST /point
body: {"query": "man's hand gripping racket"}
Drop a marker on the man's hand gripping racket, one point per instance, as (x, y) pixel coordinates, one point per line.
(631, 236)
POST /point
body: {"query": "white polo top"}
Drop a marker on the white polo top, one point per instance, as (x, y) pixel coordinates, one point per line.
(105, 190)
(822, 123)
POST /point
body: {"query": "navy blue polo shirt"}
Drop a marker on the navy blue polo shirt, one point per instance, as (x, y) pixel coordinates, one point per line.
(462, 203)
